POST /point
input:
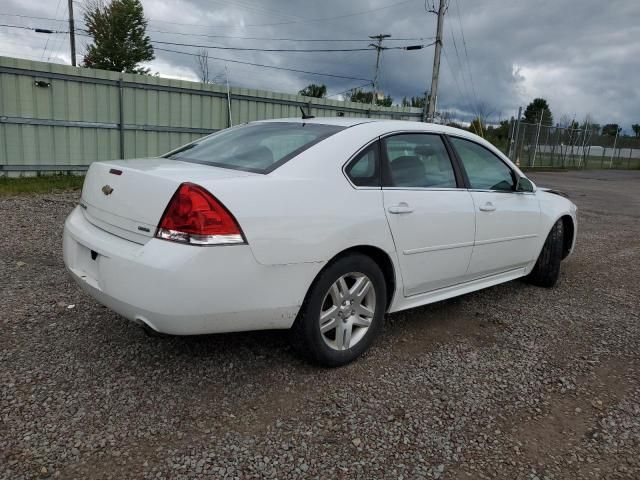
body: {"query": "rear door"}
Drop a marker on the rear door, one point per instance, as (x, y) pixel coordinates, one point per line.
(506, 221)
(431, 215)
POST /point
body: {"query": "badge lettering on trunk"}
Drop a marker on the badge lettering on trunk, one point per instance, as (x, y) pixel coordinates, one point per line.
(107, 190)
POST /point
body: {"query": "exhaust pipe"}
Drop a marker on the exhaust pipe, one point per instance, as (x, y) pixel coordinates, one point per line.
(147, 327)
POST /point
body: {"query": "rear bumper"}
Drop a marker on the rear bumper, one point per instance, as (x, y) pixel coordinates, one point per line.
(182, 289)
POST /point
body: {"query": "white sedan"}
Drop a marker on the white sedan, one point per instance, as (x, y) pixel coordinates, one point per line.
(320, 226)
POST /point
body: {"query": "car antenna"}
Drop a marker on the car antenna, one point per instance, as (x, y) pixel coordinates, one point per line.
(305, 116)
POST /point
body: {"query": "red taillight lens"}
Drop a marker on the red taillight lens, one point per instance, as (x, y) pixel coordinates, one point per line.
(195, 216)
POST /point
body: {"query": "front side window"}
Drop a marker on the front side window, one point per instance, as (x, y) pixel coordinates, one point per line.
(258, 147)
(419, 160)
(484, 169)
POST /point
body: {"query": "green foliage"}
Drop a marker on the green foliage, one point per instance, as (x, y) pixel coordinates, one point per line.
(361, 96)
(120, 42)
(594, 127)
(497, 135)
(417, 102)
(314, 90)
(611, 129)
(636, 129)
(532, 112)
(39, 184)
(476, 126)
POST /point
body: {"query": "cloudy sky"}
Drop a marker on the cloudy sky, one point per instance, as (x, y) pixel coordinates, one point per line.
(581, 55)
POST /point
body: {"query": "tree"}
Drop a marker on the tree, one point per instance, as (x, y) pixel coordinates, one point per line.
(532, 112)
(636, 129)
(202, 61)
(476, 126)
(611, 129)
(416, 102)
(361, 96)
(313, 90)
(120, 42)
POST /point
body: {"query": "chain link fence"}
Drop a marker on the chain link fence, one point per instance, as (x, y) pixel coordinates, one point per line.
(535, 145)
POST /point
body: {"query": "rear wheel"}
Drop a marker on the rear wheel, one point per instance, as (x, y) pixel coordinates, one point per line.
(342, 313)
(547, 268)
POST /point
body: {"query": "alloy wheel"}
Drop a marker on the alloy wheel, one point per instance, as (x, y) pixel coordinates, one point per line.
(347, 311)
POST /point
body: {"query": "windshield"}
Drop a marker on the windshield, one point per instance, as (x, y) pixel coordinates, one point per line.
(258, 147)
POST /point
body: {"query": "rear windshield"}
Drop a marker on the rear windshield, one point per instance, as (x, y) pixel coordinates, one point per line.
(258, 147)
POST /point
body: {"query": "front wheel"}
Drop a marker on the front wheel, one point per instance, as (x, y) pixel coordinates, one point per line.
(547, 269)
(342, 313)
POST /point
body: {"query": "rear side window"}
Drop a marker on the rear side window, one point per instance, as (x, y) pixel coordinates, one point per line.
(364, 170)
(258, 147)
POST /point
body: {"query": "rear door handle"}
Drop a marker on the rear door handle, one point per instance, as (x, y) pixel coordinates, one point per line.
(487, 207)
(402, 207)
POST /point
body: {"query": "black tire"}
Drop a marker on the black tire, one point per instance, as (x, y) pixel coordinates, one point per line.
(547, 269)
(306, 337)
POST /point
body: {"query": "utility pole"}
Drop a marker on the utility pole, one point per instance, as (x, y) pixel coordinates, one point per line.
(378, 46)
(72, 37)
(430, 104)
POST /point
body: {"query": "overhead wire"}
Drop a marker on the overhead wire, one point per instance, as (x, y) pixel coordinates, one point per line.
(55, 15)
(350, 90)
(466, 53)
(266, 66)
(463, 97)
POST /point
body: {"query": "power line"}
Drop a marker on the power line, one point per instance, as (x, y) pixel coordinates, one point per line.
(466, 53)
(30, 16)
(275, 39)
(267, 66)
(461, 66)
(59, 42)
(256, 49)
(463, 97)
(250, 49)
(44, 50)
(33, 29)
(349, 90)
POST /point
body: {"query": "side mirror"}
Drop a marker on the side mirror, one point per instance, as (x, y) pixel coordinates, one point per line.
(524, 185)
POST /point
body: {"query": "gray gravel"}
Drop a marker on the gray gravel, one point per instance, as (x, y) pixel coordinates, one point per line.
(512, 382)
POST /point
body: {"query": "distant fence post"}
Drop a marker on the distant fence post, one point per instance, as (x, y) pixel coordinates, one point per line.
(517, 131)
(121, 113)
(613, 150)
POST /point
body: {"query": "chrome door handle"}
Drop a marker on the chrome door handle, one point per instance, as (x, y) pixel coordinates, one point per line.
(402, 207)
(487, 207)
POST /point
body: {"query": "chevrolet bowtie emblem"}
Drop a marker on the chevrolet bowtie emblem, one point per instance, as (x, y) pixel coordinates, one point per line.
(107, 190)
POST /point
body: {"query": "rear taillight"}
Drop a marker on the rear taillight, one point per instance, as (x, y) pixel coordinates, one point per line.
(196, 217)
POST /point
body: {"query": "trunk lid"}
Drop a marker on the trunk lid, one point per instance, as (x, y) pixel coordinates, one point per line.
(128, 197)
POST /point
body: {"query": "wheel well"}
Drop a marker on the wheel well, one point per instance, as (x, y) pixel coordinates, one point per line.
(382, 259)
(569, 232)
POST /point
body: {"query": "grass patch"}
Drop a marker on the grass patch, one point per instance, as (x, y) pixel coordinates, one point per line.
(40, 184)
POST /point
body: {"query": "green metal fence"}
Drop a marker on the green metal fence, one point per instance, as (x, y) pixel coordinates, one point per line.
(55, 117)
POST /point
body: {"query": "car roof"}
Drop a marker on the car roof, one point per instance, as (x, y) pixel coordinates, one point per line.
(384, 123)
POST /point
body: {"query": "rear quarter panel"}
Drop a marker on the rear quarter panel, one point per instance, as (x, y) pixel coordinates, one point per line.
(292, 220)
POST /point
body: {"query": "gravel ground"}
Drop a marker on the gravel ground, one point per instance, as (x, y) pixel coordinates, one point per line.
(511, 382)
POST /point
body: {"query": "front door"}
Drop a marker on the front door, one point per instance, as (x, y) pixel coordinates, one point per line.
(507, 222)
(432, 220)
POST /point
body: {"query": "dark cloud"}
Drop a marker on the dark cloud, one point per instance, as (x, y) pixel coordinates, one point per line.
(582, 55)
